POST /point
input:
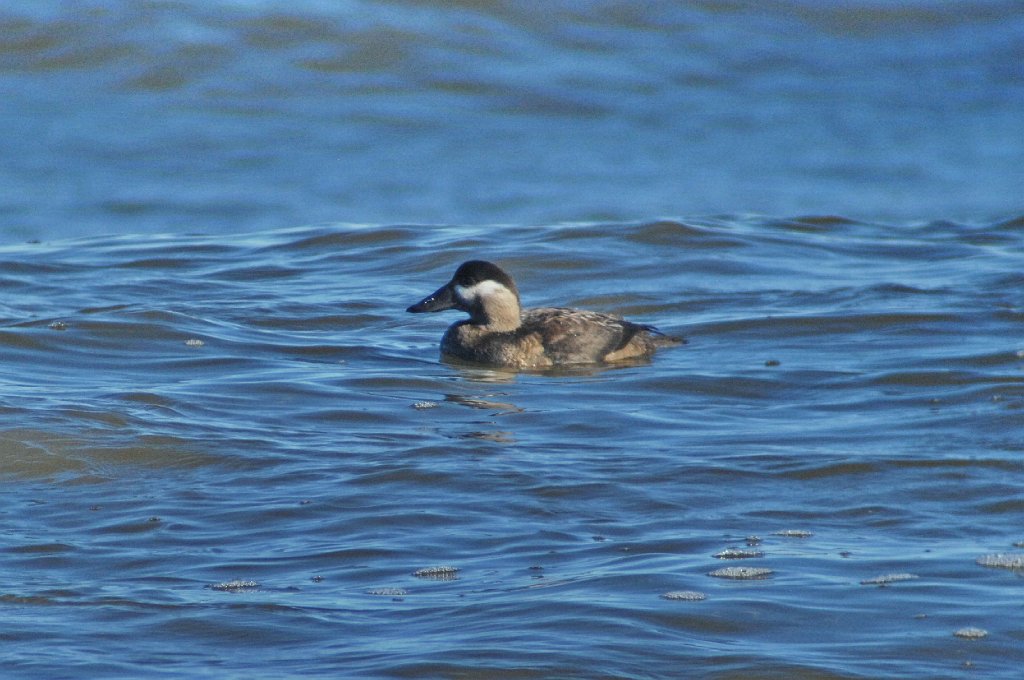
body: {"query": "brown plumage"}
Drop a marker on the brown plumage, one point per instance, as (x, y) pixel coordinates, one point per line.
(499, 332)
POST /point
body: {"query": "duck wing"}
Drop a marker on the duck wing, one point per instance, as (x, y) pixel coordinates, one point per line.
(578, 336)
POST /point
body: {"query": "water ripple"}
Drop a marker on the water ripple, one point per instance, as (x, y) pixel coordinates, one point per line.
(314, 443)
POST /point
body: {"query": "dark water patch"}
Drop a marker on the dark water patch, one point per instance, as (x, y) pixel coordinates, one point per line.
(331, 240)
(267, 272)
(128, 250)
(156, 451)
(305, 319)
(26, 601)
(136, 526)
(1010, 506)
(989, 238)
(852, 323)
(843, 470)
(1013, 224)
(105, 309)
(405, 476)
(17, 268)
(146, 399)
(1009, 358)
(44, 548)
(28, 453)
(15, 341)
(680, 235)
(790, 327)
(1007, 280)
(952, 463)
(820, 223)
(159, 263)
(941, 378)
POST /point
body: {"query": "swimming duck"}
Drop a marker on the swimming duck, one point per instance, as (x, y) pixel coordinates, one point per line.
(499, 332)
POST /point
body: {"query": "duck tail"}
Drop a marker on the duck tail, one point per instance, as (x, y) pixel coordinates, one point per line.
(661, 339)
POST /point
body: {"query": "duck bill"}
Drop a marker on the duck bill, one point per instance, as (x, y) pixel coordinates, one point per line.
(438, 301)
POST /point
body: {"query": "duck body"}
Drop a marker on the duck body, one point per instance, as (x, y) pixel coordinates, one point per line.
(499, 332)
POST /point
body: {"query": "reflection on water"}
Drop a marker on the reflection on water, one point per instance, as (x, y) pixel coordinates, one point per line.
(473, 373)
(313, 479)
(498, 407)
(229, 445)
(492, 374)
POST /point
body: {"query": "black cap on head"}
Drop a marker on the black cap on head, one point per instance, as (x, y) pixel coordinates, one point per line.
(467, 275)
(475, 271)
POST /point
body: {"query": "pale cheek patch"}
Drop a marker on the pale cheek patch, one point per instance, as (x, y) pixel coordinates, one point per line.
(483, 289)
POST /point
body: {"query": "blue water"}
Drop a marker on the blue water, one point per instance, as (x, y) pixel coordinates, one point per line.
(227, 452)
(130, 117)
(229, 459)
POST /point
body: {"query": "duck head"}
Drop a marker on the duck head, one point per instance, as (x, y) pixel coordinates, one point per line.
(482, 290)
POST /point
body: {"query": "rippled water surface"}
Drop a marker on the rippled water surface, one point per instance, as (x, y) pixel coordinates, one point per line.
(239, 457)
(226, 451)
(124, 116)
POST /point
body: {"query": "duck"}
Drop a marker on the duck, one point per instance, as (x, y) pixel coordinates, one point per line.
(499, 332)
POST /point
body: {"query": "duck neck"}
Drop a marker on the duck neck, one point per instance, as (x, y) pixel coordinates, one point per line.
(500, 314)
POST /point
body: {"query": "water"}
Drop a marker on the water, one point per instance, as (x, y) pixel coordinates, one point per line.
(227, 452)
(235, 455)
(143, 116)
